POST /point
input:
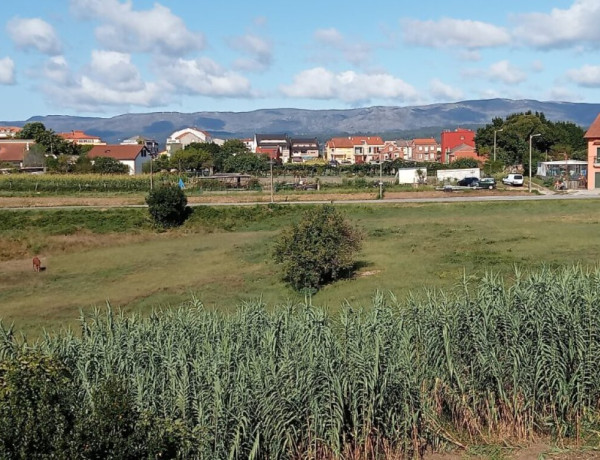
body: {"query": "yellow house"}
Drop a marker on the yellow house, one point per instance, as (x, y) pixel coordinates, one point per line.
(340, 149)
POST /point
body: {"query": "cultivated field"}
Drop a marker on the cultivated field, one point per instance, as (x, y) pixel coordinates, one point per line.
(223, 256)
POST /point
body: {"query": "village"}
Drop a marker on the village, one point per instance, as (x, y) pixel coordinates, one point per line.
(454, 145)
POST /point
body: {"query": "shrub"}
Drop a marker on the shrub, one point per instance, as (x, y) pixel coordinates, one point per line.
(318, 250)
(37, 395)
(108, 165)
(167, 205)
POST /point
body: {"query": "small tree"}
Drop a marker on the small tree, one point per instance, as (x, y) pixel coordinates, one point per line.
(108, 165)
(317, 250)
(167, 205)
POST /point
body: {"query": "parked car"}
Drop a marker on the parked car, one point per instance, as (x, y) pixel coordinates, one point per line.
(468, 182)
(487, 182)
(513, 179)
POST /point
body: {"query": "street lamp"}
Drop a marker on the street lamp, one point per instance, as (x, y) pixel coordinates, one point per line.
(496, 131)
(531, 136)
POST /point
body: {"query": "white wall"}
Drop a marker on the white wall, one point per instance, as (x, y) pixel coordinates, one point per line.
(447, 175)
(410, 175)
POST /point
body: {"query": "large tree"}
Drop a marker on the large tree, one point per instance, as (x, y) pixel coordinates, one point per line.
(52, 142)
(513, 134)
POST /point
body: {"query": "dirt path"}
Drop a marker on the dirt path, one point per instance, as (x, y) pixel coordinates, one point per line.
(132, 200)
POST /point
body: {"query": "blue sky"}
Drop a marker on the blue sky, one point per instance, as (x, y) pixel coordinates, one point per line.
(107, 57)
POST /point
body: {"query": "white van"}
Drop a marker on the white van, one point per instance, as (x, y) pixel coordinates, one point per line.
(513, 179)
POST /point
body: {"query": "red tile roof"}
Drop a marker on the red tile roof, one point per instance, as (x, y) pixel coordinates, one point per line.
(594, 129)
(77, 135)
(118, 152)
(10, 129)
(369, 140)
(13, 152)
(340, 143)
(429, 141)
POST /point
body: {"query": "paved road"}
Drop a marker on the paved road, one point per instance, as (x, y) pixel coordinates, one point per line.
(579, 195)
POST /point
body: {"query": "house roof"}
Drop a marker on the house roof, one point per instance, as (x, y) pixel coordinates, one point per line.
(305, 140)
(594, 129)
(462, 148)
(118, 152)
(10, 129)
(260, 149)
(368, 140)
(14, 151)
(428, 141)
(195, 131)
(77, 135)
(340, 143)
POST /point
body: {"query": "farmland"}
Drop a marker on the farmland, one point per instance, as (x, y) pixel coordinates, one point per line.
(223, 256)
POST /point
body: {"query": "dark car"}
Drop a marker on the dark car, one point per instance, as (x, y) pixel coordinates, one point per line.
(487, 182)
(468, 182)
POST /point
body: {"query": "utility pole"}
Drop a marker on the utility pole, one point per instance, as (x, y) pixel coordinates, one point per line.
(530, 138)
(496, 131)
(271, 164)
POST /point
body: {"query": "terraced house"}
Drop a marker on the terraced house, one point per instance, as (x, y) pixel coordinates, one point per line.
(354, 149)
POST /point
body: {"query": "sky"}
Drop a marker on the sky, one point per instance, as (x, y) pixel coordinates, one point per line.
(109, 57)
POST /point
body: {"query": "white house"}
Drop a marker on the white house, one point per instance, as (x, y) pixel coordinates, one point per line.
(132, 155)
(184, 137)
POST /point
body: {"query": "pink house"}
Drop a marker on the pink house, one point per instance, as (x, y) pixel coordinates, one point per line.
(593, 139)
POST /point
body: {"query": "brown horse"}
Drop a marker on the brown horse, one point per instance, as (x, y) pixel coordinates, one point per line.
(37, 264)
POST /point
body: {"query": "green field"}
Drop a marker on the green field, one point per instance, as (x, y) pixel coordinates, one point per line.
(223, 255)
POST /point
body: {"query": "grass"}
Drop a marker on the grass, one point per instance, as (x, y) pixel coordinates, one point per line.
(223, 255)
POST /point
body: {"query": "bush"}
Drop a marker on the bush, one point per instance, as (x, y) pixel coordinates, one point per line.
(37, 397)
(318, 250)
(108, 165)
(167, 205)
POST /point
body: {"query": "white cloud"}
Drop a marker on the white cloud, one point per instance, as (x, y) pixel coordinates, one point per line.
(561, 27)
(505, 72)
(109, 80)
(448, 32)
(470, 55)
(56, 69)
(587, 76)
(127, 30)
(115, 69)
(444, 92)
(537, 66)
(7, 71)
(354, 52)
(563, 94)
(258, 52)
(205, 77)
(34, 33)
(349, 86)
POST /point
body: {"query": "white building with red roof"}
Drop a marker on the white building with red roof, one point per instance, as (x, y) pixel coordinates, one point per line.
(81, 138)
(184, 137)
(8, 132)
(132, 155)
(13, 152)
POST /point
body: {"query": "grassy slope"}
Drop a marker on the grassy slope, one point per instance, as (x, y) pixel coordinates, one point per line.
(407, 247)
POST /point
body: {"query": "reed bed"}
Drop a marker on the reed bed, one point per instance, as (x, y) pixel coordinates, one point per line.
(501, 360)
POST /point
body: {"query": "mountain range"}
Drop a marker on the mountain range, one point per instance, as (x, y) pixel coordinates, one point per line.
(389, 122)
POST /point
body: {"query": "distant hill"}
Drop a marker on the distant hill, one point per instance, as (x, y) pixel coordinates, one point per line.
(389, 122)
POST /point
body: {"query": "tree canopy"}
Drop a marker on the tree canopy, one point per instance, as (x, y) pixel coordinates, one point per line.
(556, 139)
(52, 142)
(318, 249)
